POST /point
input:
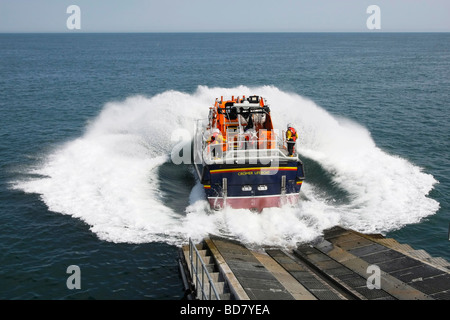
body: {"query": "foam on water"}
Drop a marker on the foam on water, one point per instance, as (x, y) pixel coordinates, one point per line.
(109, 176)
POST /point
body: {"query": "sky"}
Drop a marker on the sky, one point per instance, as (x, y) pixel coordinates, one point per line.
(224, 15)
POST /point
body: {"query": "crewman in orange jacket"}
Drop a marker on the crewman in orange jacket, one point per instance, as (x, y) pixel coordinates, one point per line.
(291, 138)
(216, 140)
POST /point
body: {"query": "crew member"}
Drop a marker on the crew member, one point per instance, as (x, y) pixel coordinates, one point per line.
(251, 139)
(291, 138)
(217, 141)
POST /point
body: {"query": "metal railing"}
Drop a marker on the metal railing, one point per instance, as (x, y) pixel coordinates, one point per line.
(200, 267)
(240, 147)
(215, 154)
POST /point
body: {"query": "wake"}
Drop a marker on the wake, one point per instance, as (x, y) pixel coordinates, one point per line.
(109, 177)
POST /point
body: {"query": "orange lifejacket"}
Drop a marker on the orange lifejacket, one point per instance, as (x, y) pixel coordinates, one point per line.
(215, 139)
(291, 134)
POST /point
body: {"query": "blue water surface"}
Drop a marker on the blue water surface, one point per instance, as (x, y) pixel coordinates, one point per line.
(53, 85)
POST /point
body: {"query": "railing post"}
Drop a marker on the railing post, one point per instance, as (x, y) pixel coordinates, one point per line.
(203, 283)
(196, 270)
(190, 258)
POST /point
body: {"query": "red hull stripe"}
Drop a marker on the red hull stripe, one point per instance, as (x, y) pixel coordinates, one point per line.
(253, 202)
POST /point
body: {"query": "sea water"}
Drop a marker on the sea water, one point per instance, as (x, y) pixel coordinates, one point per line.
(87, 131)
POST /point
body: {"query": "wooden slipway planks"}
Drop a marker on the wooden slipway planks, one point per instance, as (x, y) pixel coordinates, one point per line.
(335, 267)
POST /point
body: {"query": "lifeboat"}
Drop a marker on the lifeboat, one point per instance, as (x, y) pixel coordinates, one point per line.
(241, 160)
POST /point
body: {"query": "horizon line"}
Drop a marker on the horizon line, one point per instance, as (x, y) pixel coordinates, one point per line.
(199, 32)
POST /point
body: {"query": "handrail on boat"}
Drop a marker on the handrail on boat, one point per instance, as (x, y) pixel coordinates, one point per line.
(238, 148)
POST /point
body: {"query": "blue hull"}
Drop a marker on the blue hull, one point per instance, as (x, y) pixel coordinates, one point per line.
(251, 186)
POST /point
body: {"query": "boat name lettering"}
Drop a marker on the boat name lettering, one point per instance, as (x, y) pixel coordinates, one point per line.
(245, 173)
(262, 172)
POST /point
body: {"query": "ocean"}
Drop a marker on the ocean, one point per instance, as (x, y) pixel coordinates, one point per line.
(89, 123)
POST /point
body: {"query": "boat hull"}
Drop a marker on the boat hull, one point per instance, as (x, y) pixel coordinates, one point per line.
(252, 187)
(253, 203)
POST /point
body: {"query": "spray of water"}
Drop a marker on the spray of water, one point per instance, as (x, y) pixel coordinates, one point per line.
(109, 176)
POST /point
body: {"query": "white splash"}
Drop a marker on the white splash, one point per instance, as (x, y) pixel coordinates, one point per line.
(109, 176)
